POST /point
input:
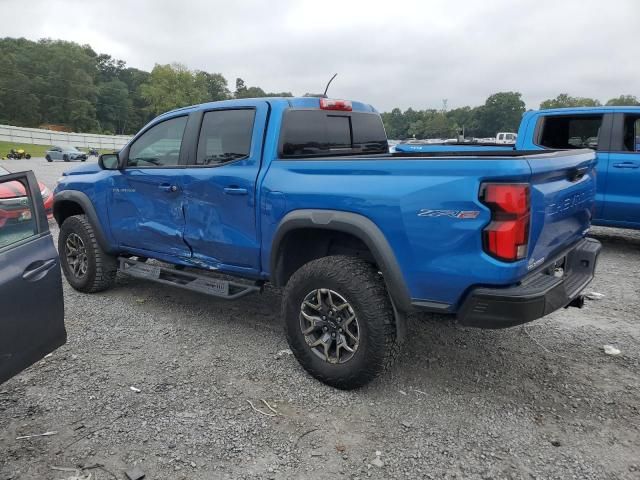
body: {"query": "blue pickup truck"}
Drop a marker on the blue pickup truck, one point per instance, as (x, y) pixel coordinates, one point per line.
(613, 132)
(303, 193)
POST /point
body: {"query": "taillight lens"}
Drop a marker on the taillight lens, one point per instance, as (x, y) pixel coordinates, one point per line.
(331, 104)
(507, 236)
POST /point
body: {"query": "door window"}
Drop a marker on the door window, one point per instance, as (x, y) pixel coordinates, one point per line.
(225, 136)
(631, 134)
(17, 217)
(159, 146)
(567, 131)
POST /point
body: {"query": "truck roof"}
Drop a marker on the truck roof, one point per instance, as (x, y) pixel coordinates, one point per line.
(574, 110)
(291, 102)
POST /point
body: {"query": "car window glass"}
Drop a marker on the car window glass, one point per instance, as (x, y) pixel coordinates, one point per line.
(225, 136)
(631, 134)
(566, 131)
(16, 213)
(308, 133)
(159, 146)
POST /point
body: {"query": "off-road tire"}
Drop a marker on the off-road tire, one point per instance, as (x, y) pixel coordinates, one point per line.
(101, 267)
(27, 156)
(48, 158)
(363, 288)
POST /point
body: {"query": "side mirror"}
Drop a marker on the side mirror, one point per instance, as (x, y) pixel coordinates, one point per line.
(109, 161)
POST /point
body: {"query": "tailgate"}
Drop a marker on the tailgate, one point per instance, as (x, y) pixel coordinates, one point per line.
(562, 194)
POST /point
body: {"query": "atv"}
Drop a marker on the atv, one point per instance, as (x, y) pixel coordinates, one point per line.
(17, 154)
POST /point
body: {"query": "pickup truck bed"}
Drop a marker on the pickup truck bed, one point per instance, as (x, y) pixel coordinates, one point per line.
(612, 132)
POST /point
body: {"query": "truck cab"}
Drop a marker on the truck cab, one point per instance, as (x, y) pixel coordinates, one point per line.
(506, 138)
(613, 132)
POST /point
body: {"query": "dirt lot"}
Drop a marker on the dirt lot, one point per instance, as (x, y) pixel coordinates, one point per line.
(542, 401)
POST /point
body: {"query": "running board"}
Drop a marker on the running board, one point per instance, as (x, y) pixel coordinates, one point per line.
(189, 281)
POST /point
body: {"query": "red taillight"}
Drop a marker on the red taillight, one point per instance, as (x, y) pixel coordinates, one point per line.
(331, 104)
(507, 236)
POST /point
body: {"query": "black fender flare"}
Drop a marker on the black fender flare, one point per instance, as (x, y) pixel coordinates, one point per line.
(358, 226)
(85, 203)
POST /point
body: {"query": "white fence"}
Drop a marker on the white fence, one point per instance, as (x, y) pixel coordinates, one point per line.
(38, 136)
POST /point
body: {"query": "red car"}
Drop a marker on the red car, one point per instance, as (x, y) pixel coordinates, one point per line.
(14, 206)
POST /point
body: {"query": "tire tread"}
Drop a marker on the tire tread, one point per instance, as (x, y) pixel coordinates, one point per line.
(371, 291)
(105, 267)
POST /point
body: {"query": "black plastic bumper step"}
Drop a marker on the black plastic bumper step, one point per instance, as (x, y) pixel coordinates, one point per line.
(216, 287)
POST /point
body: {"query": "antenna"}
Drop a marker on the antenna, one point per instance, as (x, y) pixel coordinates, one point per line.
(327, 88)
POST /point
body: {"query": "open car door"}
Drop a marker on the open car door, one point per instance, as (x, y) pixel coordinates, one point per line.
(31, 301)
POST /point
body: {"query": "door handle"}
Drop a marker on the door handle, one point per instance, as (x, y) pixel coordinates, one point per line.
(165, 187)
(626, 165)
(37, 270)
(235, 191)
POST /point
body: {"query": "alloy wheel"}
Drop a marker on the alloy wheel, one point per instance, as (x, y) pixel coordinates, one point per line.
(329, 325)
(76, 254)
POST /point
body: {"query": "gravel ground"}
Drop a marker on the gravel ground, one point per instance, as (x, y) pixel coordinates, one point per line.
(541, 401)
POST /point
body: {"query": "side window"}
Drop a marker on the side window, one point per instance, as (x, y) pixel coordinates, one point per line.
(225, 136)
(16, 212)
(159, 146)
(566, 131)
(631, 134)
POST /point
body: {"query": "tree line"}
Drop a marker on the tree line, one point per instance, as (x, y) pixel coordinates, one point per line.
(501, 112)
(55, 82)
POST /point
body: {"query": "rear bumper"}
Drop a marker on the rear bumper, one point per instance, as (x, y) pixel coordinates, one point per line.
(536, 295)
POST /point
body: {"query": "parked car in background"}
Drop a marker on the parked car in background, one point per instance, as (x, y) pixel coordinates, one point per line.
(31, 301)
(66, 153)
(14, 207)
(611, 132)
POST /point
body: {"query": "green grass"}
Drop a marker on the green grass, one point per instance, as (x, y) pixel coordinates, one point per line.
(34, 150)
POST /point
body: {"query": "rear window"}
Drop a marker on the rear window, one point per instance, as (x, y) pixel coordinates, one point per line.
(310, 133)
(579, 131)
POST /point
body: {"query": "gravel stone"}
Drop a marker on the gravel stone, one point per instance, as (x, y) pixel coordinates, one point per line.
(481, 403)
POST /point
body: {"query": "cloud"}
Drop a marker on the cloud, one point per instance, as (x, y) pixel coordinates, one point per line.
(401, 53)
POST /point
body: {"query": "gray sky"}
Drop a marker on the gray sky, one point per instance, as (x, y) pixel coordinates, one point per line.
(393, 53)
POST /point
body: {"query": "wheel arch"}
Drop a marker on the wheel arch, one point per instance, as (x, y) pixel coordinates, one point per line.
(348, 223)
(70, 202)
